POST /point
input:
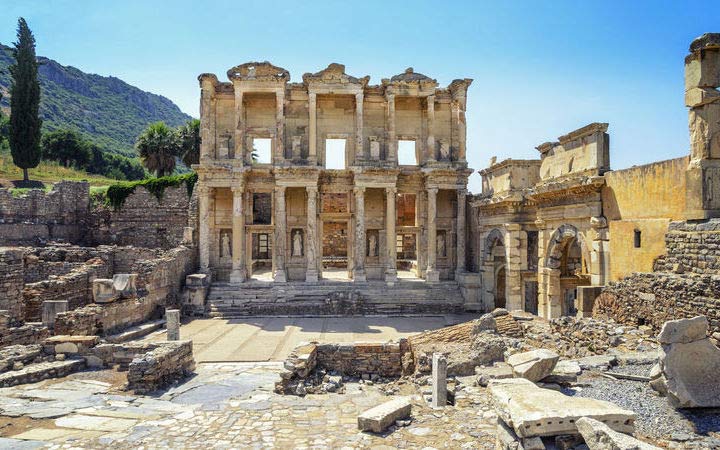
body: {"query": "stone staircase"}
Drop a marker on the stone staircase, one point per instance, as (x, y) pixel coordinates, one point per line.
(333, 298)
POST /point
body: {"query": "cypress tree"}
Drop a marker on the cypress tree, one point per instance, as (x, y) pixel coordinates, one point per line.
(25, 121)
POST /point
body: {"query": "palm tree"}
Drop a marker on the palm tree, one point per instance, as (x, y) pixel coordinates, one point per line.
(158, 146)
(189, 135)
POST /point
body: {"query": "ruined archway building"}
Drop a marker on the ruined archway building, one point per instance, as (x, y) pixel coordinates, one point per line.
(544, 235)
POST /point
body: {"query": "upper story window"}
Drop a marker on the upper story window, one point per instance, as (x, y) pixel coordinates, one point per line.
(637, 238)
(335, 154)
(407, 155)
(262, 151)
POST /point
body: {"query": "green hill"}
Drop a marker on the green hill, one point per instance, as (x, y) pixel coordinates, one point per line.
(107, 110)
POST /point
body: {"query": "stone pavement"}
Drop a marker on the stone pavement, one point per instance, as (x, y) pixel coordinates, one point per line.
(229, 405)
(273, 338)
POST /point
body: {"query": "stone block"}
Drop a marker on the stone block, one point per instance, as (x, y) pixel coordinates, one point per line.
(684, 330)
(599, 436)
(172, 321)
(564, 372)
(690, 373)
(439, 381)
(124, 285)
(505, 437)
(533, 365)
(377, 419)
(103, 291)
(52, 308)
(533, 411)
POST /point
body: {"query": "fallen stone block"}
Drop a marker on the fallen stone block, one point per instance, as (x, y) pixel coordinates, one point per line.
(691, 373)
(377, 419)
(505, 437)
(71, 344)
(564, 372)
(103, 291)
(599, 436)
(496, 372)
(597, 362)
(124, 284)
(533, 365)
(684, 331)
(533, 411)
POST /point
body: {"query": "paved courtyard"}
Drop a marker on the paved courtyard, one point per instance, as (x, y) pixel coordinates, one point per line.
(273, 338)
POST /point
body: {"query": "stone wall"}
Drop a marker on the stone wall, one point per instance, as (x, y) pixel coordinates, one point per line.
(160, 366)
(62, 214)
(143, 220)
(357, 358)
(22, 335)
(11, 282)
(685, 282)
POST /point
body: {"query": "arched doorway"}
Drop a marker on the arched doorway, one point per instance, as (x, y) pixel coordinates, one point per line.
(568, 260)
(500, 300)
(495, 262)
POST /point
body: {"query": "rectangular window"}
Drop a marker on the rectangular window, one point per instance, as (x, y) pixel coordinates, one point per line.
(406, 153)
(262, 151)
(335, 154)
(638, 239)
(399, 244)
(262, 208)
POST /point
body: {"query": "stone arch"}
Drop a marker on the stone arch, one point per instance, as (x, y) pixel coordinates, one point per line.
(559, 240)
(495, 267)
(493, 238)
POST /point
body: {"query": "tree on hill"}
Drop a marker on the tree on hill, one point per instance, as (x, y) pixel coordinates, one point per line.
(67, 147)
(189, 135)
(4, 128)
(158, 146)
(25, 122)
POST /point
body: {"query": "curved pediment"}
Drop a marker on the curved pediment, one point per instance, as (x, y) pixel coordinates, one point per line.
(410, 76)
(334, 73)
(258, 71)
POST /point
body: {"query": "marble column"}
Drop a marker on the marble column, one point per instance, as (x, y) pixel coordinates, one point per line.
(359, 147)
(460, 231)
(430, 150)
(279, 272)
(311, 244)
(360, 244)
(204, 207)
(239, 125)
(462, 132)
(455, 142)
(390, 216)
(391, 143)
(279, 151)
(432, 275)
(206, 114)
(312, 131)
(239, 272)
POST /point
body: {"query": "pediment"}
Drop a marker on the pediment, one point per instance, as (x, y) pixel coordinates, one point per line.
(334, 73)
(259, 71)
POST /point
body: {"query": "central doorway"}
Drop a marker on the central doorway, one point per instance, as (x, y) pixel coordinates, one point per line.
(335, 250)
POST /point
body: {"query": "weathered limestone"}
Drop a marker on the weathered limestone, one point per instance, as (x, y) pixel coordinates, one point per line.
(432, 274)
(391, 253)
(360, 249)
(124, 284)
(689, 364)
(172, 318)
(533, 411)
(196, 286)
(239, 272)
(52, 308)
(311, 247)
(377, 419)
(439, 381)
(279, 269)
(159, 367)
(533, 365)
(104, 291)
(599, 436)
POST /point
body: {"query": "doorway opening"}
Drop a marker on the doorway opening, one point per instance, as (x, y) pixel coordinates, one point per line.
(335, 250)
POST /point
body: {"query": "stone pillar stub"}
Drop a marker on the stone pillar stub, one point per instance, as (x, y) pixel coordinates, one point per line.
(239, 272)
(172, 323)
(311, 246)
(280, 274)
(359, 247)
(432, 275)
(50, 310)
(390, 216)
(439, 381)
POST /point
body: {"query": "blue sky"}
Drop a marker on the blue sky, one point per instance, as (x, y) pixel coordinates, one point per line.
(541, 69)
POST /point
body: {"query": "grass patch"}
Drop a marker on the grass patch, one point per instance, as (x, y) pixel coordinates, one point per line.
(49, 172)
(117, 193)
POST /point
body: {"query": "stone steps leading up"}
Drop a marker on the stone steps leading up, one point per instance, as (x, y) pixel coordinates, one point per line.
(327, 298)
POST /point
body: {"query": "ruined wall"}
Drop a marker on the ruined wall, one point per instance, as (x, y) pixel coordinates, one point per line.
(644, 199)
(361, 358)
(11, 282)
(61, 214)
(585, 151)
(143, 220)
(685, 282)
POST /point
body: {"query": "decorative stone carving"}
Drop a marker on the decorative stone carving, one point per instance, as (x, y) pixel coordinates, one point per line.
(372, 243)
(441, 245)
(225, 243)
(444, 150)
(374, 148)
(103, 291)
(124, 284)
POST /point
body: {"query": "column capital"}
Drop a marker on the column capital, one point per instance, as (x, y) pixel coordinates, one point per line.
(238, 188)
(432, 190)
(311, 189)
(391, 190)
(462, 192)
(280, 190)
(359, 189)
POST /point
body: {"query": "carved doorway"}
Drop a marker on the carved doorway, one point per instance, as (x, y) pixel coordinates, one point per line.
(500, 288)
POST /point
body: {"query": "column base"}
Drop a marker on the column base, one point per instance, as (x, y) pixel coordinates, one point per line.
(311, 276)
(391, 276)
(238, 276)
(359, 275)
(432, 276)
(280, 276)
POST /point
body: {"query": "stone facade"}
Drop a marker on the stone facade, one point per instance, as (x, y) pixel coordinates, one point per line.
(344, 219)
(162, 365)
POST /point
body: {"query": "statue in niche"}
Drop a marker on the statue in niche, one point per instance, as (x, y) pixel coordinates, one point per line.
(444, 150)
(297, 243)
(225, 244)
(441, 245)
(372, 245)
(374, 148)
(297, 147)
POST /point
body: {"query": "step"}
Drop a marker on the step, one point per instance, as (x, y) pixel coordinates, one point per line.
(136, 332)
